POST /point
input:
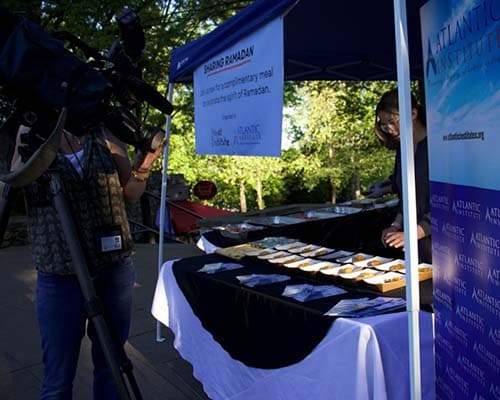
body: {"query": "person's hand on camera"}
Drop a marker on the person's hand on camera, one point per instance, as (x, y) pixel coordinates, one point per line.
(144, 160)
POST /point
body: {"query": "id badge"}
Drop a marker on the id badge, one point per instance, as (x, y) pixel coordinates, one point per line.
(109, 239)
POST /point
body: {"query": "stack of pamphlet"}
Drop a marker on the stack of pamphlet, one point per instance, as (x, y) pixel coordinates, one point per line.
(365, 307)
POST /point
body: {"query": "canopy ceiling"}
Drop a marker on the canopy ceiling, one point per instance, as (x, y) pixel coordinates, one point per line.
(323, 39)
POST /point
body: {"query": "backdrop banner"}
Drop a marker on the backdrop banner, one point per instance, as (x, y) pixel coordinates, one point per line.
(238, 96)
(461, 51)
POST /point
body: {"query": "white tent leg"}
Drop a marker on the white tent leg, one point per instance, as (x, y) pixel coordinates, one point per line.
(409, 198)
(163, 201)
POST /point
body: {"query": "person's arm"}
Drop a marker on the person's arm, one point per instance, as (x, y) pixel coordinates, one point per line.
(378, 189)
(393, 236)
(133, 179)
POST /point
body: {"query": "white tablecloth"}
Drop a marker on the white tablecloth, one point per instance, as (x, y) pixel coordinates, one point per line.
(364, 358)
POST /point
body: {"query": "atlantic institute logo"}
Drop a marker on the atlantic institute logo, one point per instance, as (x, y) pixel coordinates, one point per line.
(486, 300)
(494, 276)
(443, 298)
(470, 264)
(472, 369)
(487, 356)
(454, 232)
(445, 344)
(467, 209)
(471, 318)
(487, 243)
(463, 39)
(458, 380)
(431, 61)
(457, 333)
(440, 201)
(492, 215)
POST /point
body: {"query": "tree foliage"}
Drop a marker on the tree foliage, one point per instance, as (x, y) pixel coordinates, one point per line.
(333, 130)
(333, 152)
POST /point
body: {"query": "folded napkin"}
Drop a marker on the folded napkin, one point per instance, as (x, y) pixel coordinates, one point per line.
(261, 279)
(364, 307)
(219, 267)
(306, 292)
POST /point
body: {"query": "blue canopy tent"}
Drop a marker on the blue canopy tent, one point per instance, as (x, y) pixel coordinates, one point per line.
(334, 40)
(323, 39)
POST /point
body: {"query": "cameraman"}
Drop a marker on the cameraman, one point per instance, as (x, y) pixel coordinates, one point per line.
(97, 177)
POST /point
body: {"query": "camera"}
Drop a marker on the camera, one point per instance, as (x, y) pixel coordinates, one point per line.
(41, 77)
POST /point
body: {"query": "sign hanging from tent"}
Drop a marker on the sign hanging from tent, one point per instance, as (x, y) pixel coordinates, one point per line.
(238, 96)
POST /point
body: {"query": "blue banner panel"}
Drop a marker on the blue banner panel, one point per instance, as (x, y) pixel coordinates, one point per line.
(466, 252)
(461, 49)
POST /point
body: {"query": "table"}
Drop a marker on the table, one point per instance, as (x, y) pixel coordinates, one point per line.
(359, 231)
(364, 358)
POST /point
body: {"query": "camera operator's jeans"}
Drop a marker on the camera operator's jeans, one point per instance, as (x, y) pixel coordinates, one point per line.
(62, 321)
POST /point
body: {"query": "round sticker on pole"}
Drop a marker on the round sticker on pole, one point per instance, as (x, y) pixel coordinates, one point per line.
(205, 190)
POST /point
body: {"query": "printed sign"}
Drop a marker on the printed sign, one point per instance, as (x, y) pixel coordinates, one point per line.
(238, 97)
(461, 42)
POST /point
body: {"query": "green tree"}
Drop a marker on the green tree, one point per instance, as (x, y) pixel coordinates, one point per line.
(334, 132)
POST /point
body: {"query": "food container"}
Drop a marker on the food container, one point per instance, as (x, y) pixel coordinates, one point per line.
(355, 258)
(304, 249)
(331, 271)
(272, 241)
(277, 220)
(373, 262)
(304, 262)
(320, 251)
(288, 246)
(315, 215)
(396, 265)
(341, 209)
(349, 271)
(317, 266)
(386, 281)
(336, 255)
(237, 252)
(237, 231)
(276, 254)
(288, 258)
(424, 271)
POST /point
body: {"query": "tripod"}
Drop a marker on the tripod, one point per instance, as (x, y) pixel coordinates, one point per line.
(116, 358)
(115, 355)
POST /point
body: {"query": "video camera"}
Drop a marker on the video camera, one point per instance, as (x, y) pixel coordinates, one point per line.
(41, 77)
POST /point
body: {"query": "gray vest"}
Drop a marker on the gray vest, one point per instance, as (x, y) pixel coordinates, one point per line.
(96, 202)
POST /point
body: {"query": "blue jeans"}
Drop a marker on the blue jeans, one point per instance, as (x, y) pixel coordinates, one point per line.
(62, 322)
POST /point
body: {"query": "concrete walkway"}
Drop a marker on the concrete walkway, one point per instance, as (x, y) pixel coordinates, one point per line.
(159, 370)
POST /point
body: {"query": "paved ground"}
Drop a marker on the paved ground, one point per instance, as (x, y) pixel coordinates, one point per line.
(160, 372)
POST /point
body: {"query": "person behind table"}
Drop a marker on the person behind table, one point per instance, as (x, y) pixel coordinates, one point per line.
(97, 177)
(387, 129)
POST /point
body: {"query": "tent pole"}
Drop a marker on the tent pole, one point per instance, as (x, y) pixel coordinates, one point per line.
(164, 169)
(409, 198)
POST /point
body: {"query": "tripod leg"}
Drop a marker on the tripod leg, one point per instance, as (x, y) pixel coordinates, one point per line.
(6, 199)
(92, 303)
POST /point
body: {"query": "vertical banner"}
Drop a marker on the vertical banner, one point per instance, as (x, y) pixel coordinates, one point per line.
(238, 96)
(461, 45)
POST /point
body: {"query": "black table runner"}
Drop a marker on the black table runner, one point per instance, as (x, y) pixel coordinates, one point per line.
(258, 326)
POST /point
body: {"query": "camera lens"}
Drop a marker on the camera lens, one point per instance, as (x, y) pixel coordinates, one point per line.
(153, 138)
